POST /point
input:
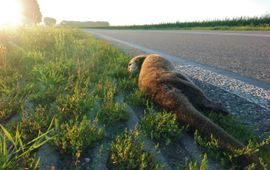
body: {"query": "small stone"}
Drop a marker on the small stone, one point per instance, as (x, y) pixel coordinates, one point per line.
(87, 160)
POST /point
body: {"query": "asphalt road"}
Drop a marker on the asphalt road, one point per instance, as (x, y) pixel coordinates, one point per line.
(246, 53)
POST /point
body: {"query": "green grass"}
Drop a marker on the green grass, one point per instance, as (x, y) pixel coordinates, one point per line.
(17, 154)
(127, 152)
(161, 126)
(241, 23)
(75, 136)
(194, 165)
(61, 73)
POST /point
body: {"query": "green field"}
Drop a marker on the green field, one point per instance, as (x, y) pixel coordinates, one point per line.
(60, 88)
(242, 24)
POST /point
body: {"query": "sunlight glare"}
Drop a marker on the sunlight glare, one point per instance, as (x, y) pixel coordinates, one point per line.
(10, 13)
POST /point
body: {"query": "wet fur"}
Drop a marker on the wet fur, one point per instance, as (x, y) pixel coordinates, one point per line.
(176, 93)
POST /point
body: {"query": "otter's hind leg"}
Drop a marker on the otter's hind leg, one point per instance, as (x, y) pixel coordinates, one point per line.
(193, 93)
(214, 107)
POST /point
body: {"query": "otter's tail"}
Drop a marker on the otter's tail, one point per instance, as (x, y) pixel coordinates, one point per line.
(172, 100)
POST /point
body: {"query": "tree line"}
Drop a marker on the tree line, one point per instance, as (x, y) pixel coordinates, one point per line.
(234, 22)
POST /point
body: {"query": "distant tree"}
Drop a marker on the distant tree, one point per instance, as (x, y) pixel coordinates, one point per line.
(31, 12)
(85, 24)
(49, 21)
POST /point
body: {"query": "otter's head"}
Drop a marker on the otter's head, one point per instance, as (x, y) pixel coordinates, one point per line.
(134, 65)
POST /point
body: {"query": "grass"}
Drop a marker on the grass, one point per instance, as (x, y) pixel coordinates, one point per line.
(51, 72)
(75, 136)
(127, 152)
(194, 165)
(161, 126)
(241, 23)
(16, 154)
(68, 76)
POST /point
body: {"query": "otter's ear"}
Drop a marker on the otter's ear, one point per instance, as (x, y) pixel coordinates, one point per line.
(139, 59)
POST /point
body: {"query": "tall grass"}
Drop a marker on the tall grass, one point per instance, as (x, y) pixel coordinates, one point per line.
(14, 153)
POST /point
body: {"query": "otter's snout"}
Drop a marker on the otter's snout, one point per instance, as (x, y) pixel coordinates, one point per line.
(130, 67)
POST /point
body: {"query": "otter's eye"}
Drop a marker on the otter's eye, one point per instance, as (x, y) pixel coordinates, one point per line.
(129, 64)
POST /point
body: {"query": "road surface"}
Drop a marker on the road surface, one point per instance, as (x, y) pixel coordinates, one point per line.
(246, 53)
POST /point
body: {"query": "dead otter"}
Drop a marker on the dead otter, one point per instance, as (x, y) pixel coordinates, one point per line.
(176, 93)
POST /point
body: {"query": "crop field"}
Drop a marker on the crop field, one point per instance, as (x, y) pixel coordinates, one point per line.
(241, 23)
(67, 102)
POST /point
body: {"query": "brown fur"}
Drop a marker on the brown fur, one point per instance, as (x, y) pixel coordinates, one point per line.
(177, 94)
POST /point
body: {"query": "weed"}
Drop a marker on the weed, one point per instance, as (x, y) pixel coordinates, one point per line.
(234, 127)
(213, 149)
(46, 72)
(161, 126)
(194, 165)
(14, 153)
(76, 104)
(3, 57)
(137, 98)
(127, 153)
(48, 82)
(33, 123)
(12, 100)
(75, 136)
(112, 112)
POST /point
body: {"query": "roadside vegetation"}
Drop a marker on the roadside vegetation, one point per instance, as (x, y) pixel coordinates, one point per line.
(59, 87)
(127, 152)
(161, 126)
(62, 76)
(241, 23)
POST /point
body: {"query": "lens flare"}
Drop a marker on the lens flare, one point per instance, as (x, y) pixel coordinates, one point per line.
(10, 13)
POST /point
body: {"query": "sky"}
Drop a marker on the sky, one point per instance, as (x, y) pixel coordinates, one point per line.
(129, 12)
